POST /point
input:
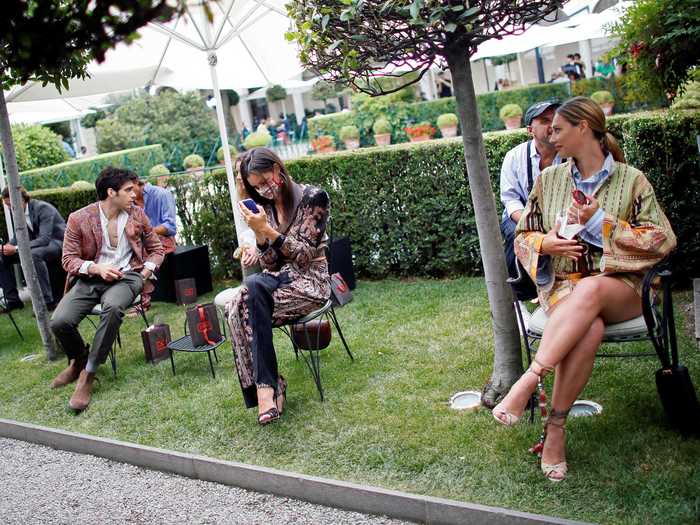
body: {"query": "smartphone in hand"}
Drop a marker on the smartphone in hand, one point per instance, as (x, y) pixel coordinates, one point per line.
(250, 204)
(580, 197)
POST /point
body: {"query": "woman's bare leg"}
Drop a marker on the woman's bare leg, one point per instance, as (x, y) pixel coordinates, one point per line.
(569, 321)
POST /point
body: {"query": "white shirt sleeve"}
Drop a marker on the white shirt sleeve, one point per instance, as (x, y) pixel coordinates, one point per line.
(510, 189)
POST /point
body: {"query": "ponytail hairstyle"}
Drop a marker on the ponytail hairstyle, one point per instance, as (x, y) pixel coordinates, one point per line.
(578, 109)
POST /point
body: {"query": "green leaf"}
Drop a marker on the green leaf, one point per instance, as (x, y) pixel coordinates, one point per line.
(450, 28)
(324, 22)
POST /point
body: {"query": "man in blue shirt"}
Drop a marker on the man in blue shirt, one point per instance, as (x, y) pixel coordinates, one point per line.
(521, 167)
(159, 205)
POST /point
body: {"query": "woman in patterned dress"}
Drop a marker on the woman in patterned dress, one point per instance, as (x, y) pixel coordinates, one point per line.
(591, 280)
(290, 235)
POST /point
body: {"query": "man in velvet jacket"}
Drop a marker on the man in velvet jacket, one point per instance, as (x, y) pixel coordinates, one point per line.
(110, 252)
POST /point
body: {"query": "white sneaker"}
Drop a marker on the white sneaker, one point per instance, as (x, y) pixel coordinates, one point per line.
(526, 316)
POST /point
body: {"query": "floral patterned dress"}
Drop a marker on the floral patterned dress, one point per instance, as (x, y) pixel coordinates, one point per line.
(296, 282)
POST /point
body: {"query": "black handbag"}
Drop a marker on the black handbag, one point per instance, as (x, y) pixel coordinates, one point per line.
(340, 291)
(673, 382)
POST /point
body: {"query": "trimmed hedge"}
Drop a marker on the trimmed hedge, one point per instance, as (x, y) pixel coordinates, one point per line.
(139, 159)
(408, 210)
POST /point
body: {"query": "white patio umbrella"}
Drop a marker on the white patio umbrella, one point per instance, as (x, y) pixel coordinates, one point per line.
(242, 46)
(595, 25)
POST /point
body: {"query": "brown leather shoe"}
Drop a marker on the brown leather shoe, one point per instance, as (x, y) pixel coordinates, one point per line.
(70, 373)
(80, 399)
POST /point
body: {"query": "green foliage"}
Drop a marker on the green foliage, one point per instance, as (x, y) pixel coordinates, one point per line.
(510, 111)
(158, 170)
(504, 59)
(36, 147)
(81, 185)
(257, 139)
(446, 120)
(171, 119)
(193, 161)
(400, 115)
(275, 93)
(137, 159)
(53, 40)
(67, 200)
(690, 99)
(381, 126)
(220, 153)
(602, 97)
(659, 42)
(233, 97)
(664, 146)
(349, 132)
(323, 90)
(90, 120)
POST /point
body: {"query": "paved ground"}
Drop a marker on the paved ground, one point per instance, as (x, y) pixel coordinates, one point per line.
(47, 486)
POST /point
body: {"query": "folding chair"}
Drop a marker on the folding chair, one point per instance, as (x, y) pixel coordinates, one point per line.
(655, 324)
(3, 303)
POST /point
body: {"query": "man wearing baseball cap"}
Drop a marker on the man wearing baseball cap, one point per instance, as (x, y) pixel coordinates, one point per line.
(521, 167)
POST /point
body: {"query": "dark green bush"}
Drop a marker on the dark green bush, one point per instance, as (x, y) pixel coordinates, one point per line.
(36, 147)
(139, 160)
(408, 209)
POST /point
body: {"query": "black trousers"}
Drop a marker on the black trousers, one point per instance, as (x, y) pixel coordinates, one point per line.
(41, 255)
(525, 289)
(261, 304)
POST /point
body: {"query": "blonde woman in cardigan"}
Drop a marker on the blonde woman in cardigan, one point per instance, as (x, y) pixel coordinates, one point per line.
(590, 280)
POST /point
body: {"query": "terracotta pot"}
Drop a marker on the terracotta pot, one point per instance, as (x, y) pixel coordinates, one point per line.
(352, 143)
(608, 108)
(382, 139)
(513, 122)
(420, 138)
(449, 131)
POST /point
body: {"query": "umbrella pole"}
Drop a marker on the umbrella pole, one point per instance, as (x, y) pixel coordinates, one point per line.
(243, 232)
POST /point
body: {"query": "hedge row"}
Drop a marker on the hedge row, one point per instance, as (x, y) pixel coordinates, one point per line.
(139, 159)
(402, 114)
(408, 210)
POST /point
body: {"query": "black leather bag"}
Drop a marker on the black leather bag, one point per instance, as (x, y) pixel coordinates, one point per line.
(155, 342)
(340, 291)
(673, 382)
(203, 324)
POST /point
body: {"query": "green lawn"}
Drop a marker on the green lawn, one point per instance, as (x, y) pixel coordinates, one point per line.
(385, 420)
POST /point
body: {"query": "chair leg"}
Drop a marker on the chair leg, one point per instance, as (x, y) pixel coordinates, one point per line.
(12, 320)
(143, 316)
(216, 356)
(331, 312)
(314, 364)
(211, 364)
(113, 360)
(172, 361)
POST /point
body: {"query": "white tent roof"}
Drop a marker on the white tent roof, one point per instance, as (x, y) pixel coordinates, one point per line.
(249, 44)
(592, 26)
(50, 111)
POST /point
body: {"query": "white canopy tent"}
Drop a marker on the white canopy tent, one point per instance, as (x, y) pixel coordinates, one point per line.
(595, 25)
(243, 45)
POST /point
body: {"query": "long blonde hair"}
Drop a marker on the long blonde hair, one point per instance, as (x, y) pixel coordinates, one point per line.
(578, 109)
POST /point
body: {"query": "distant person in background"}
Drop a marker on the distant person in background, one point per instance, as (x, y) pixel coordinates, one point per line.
(570, 69)
(580, 66)
(603, 69)
(67, 147)
(46, 229)
(444, 86)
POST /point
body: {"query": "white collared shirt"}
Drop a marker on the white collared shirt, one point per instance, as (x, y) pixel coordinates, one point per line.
(28, 218)
(119, 255)
(514, 190)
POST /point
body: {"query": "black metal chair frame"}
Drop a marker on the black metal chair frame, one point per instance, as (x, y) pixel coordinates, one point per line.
(113, 351)
(313, 362)
(184, 344)
(3, 303)
(657, 312)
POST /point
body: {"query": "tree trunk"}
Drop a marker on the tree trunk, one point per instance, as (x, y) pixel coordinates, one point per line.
(22, 234)
(507, 361)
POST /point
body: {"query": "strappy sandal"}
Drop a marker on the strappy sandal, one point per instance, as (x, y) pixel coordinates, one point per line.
(556, 472)
(273, 414)
(509, 419)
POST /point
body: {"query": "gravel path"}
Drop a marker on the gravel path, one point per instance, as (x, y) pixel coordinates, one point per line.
(42, 485)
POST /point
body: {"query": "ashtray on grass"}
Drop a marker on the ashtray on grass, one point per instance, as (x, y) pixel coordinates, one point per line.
(468, 400)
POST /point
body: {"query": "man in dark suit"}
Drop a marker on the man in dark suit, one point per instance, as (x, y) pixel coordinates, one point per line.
(46, 228)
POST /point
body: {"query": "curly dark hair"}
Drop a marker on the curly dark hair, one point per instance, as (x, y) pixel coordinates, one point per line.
(115, 178)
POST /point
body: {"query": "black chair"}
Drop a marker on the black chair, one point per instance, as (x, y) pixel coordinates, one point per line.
(97, 312)
(3, 304)
(656, 324)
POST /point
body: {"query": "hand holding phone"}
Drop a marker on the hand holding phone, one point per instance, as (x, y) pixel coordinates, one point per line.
(251, 205)
(580, 197)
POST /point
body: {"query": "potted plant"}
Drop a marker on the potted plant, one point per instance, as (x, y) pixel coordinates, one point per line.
(193, 163)
(447, 122)
(420, 132)
(605, 100)
(161, 173)
(511, 115)
(382, 132)
(350, 135)
(220, 153)
(323, 144)
(258, 139)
